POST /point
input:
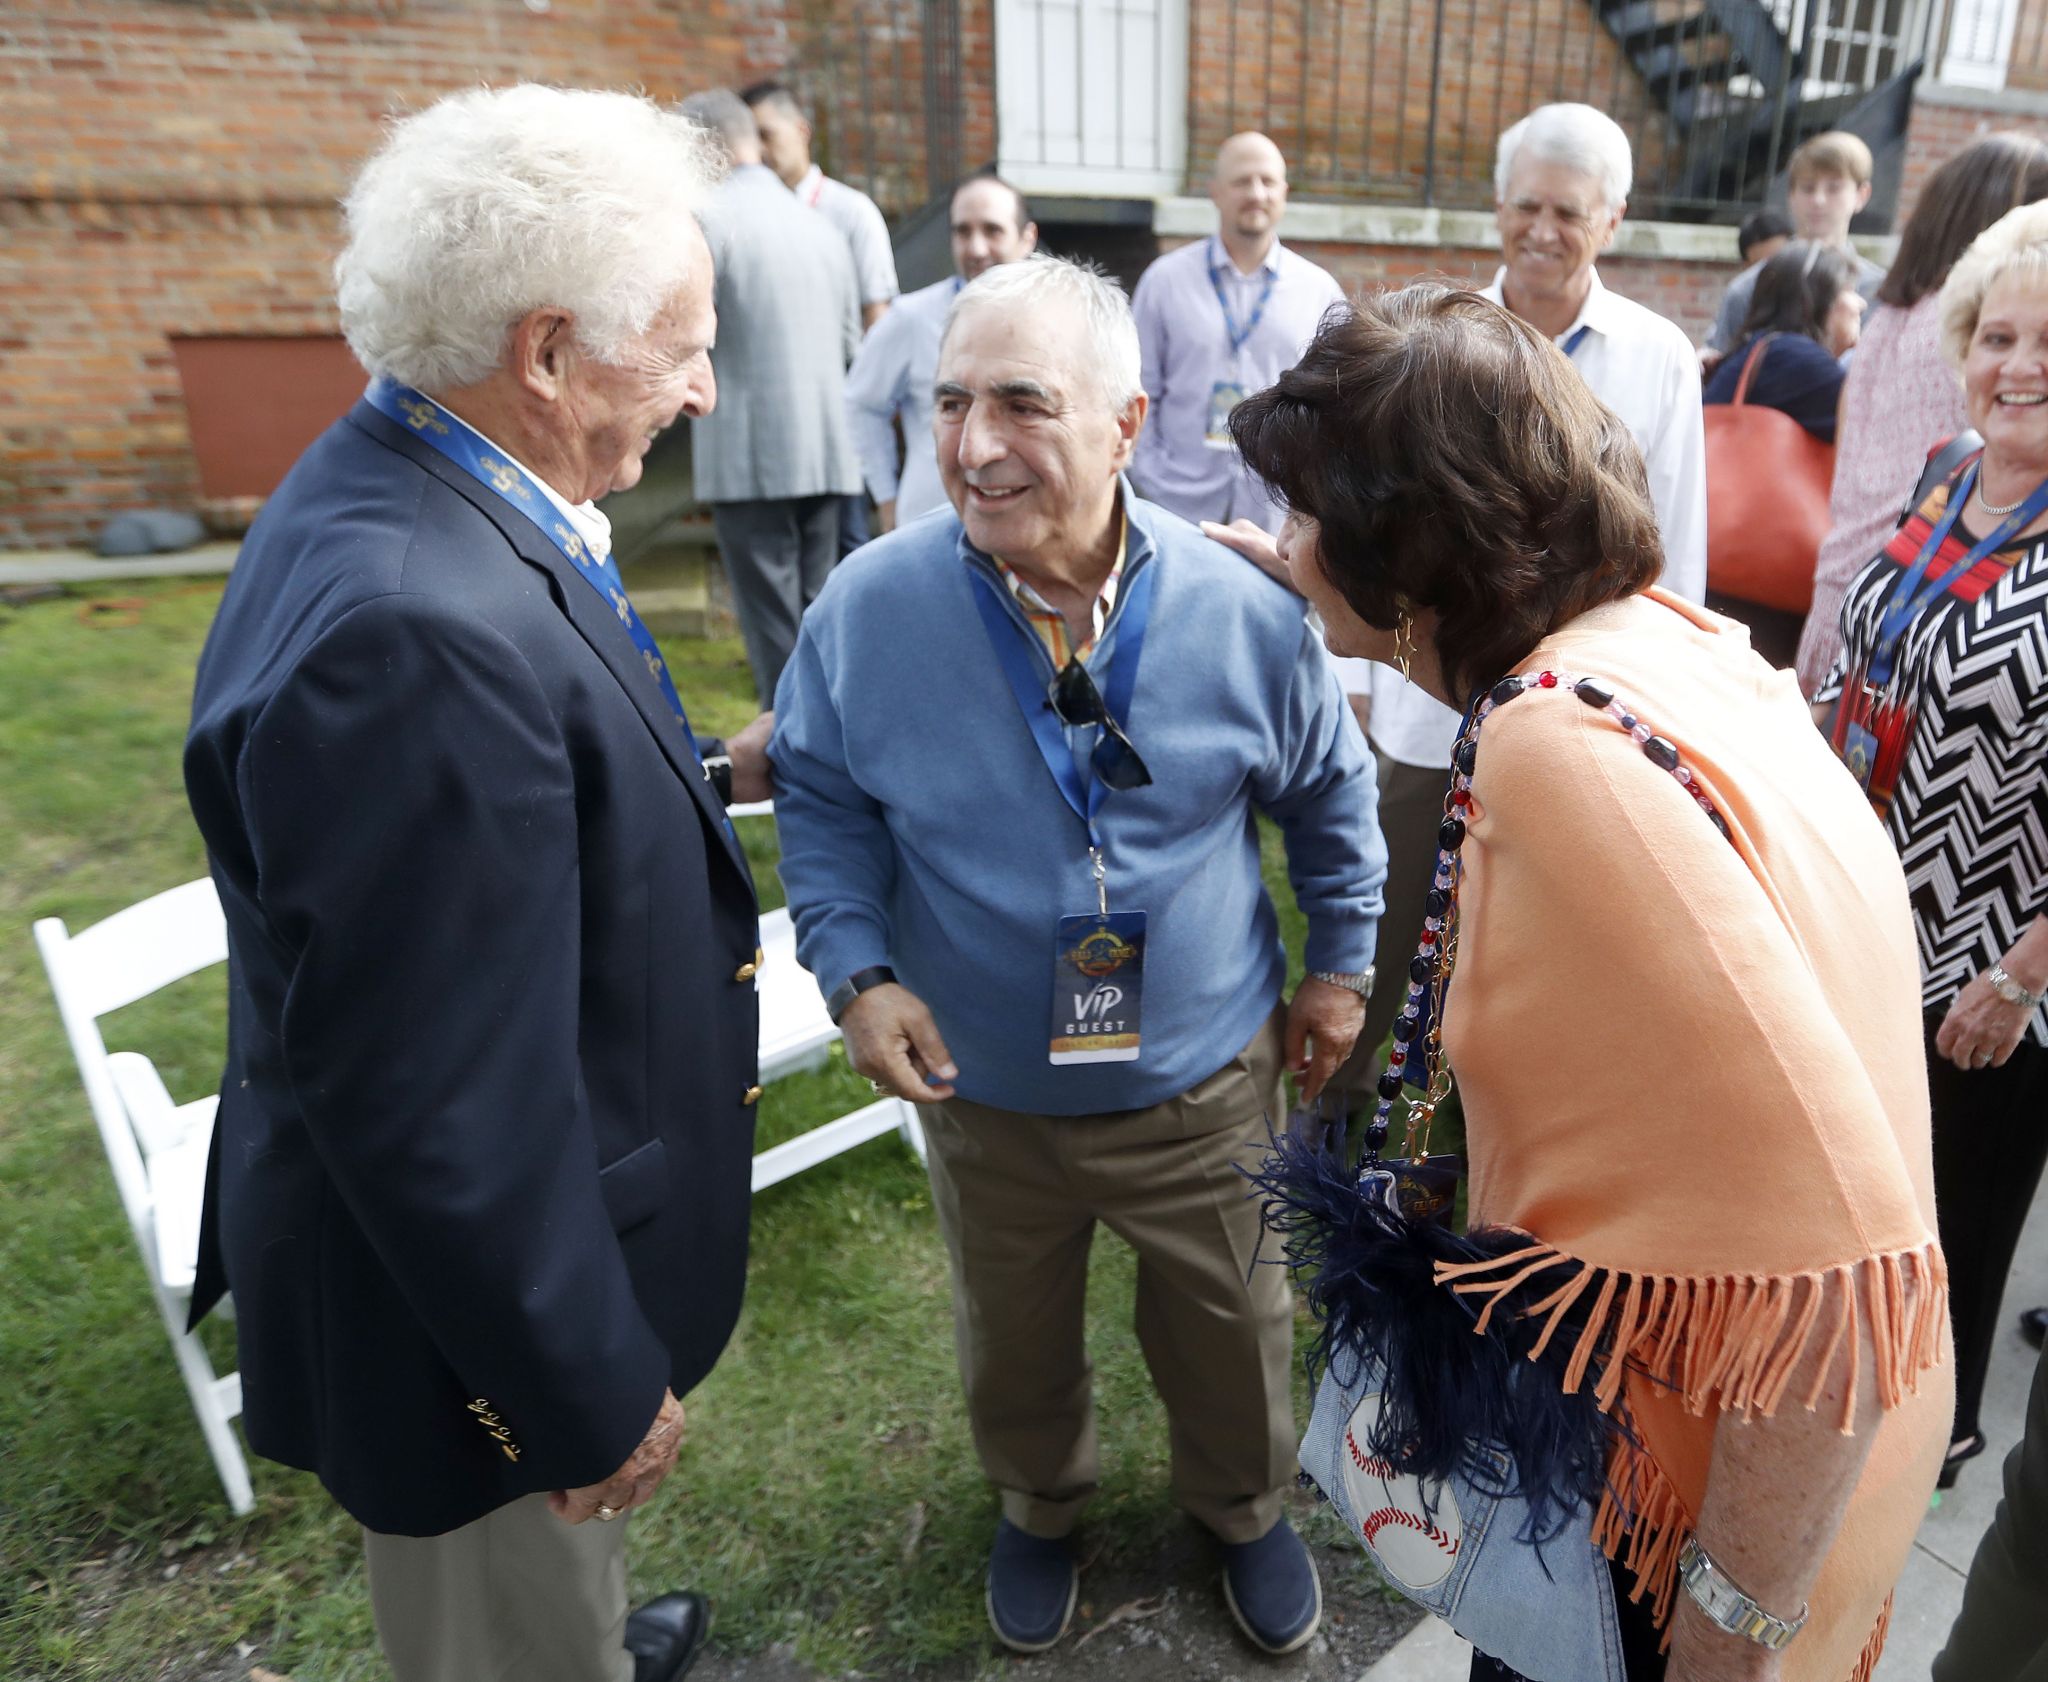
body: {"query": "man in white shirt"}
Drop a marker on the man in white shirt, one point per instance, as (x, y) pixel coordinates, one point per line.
(892, 374)
(1561, 184)
(786, 149)
(1218, 320)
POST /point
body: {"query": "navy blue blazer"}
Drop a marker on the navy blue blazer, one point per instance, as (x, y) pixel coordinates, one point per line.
(480, 1174)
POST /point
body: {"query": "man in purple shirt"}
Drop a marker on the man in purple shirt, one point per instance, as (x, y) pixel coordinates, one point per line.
(1217, 321)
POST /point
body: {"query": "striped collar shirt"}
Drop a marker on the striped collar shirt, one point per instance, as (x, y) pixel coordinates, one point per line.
(1050, 623)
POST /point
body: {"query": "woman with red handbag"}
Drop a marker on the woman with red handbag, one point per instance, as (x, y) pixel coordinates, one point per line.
(1940, 710)
(1770, 428)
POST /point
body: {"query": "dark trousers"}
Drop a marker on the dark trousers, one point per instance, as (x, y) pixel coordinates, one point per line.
(778, 554)
(1990, 1141)
(853, 523)
(2001, 1634)
(1641, 1641)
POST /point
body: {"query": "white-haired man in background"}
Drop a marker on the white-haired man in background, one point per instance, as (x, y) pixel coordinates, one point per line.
(480, 1171)
(1561, 184)
(1017, 768)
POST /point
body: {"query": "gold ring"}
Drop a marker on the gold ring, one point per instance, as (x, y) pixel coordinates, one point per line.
(606, 1512)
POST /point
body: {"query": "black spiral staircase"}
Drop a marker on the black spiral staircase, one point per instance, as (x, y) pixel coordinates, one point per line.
(1737, 89)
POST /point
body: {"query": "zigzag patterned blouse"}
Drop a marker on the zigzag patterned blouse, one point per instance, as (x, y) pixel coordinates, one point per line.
(1970, 811)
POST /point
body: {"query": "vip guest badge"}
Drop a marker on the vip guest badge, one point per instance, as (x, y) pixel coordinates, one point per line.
(1098, 987)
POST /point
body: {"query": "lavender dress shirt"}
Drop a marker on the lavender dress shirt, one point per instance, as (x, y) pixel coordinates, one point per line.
(1186, 351)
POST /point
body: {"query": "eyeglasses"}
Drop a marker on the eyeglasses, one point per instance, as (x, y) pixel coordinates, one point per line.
(1075, 700)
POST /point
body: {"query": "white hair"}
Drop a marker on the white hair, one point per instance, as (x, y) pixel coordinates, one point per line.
(2016, 245)
(1027, 286)
(495, 202)
(1576, 136)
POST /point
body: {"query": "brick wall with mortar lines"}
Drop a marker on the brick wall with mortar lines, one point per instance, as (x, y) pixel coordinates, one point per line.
(171, 169)
(1278, 67)
(1939, 131)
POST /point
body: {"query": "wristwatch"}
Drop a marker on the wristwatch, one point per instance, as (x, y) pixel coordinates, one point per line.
(2010, 990)
(1727, 1607)
(875, 975)
(717, 768)
(1359, 982)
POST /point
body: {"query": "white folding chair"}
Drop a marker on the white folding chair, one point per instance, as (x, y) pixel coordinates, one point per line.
(796, 1033)
(157, 1149)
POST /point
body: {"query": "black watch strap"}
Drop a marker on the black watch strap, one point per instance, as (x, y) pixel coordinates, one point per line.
(718, 769)
(875, 975)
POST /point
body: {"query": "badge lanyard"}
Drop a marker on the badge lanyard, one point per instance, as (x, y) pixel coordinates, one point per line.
(453, 438)
(1239, 337)
(1911, 596)
(1009, 640)
(1571, 346)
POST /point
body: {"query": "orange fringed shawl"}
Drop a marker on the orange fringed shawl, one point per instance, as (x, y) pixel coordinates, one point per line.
(1692, 1073)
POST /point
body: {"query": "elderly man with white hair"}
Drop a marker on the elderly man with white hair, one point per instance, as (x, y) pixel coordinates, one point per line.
(480, 1172)
(1024, 866)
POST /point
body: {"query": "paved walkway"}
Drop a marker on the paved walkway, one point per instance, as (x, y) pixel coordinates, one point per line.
(81, 566)
(1931, 1590)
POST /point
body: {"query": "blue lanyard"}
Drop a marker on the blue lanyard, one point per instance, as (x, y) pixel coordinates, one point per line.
(1009, 639)
(433, 424)
(1571, 346)
(1910, 597)
(1238, 337)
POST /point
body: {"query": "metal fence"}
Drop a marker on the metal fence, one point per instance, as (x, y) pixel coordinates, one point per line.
(1404, 102)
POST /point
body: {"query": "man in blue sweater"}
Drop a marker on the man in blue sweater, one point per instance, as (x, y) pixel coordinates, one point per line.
(1020, 749)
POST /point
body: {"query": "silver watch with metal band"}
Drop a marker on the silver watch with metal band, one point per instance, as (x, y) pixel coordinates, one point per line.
(1727, 1607)
(1359, 982)
(2010, 990)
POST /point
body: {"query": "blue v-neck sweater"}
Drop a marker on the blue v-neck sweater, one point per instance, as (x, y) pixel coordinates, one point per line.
(921, 829)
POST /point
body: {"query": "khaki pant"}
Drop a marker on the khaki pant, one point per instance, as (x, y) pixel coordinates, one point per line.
(1018, 1199)
(517, 1596)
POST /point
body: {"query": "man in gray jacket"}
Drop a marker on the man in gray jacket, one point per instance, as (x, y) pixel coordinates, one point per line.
(776, 457)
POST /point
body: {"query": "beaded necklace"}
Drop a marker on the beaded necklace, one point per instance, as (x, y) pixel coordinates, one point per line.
(1409, 1183)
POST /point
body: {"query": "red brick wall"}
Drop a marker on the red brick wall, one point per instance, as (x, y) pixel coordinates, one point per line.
(1687, 293)
(1344, 89)
(171, 168)
(1938, 132)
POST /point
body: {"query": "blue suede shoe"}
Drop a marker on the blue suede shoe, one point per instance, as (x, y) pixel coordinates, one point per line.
(1032, 1586)
(1272, 1589)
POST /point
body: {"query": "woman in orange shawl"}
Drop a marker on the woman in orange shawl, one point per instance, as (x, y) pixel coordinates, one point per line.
(1680, 999)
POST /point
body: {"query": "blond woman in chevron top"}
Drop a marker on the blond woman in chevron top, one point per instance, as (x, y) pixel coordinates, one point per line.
(1937, 702)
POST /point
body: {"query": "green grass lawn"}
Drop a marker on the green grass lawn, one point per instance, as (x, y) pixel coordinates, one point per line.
(827, 1496)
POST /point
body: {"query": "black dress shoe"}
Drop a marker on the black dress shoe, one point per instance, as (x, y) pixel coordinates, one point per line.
(663, 1636)
(2033, 1325)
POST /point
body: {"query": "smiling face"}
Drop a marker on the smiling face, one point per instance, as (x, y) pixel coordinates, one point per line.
(987, 228)
(1554, 222)
(2005, 374)
(1821, 204)
(1029, 448)
(615, 410)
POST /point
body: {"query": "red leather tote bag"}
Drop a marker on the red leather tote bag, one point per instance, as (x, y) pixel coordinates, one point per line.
(1767, 499)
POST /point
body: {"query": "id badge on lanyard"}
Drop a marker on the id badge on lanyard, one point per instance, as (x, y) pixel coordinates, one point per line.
(1098, 967)
(1098, 981)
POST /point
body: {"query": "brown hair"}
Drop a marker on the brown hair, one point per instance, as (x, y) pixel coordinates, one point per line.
(1837, 152)
(1797, 288)
(1988, 177)
(1455, 460)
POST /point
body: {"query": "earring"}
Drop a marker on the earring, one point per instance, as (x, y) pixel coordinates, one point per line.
(1404, 640)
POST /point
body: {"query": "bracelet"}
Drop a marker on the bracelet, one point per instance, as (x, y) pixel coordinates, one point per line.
(2010, 990)
(1727, 1607)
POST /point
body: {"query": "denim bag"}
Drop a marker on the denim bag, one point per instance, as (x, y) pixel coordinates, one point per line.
(1463, 1548)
